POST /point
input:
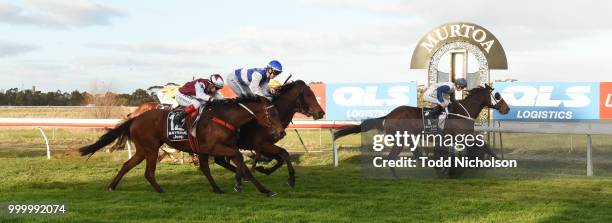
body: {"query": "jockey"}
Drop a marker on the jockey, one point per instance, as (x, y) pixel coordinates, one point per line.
(274, 85)
(254, 81)
(196, 93)
(437, 94)
(167, 95)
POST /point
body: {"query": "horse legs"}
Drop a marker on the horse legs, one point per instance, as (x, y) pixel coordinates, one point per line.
(150, 173)
(221, 161)
(206, 170)
(278, 164)
(236, 156)
(127, 166)
(256, 158)
(282, 156)
(245, 170)
(394, 154)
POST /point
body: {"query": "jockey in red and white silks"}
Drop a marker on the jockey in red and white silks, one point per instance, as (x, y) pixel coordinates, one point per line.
(196, 93)
(254, 81)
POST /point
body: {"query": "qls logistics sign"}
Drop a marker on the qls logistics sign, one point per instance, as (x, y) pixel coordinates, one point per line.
(361, 101)
(545, 101)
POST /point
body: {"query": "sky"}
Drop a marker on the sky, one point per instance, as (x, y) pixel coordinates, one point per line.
(125, 45)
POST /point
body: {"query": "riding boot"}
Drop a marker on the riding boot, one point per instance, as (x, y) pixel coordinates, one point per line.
(193, 112)
(184, 111)
(436, 112)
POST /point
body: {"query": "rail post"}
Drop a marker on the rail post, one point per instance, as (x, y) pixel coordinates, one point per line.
(501, 142)
(334, 149)
(46, 143)
(589, 156)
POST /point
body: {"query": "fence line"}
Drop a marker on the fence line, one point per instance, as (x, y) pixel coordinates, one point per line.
(577, 128)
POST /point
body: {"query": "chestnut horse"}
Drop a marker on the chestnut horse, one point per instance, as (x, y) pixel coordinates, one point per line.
(460, 120)
(148, 132)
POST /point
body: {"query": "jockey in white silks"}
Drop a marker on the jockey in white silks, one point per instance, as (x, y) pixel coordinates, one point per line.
(254, 81)
(442, 94)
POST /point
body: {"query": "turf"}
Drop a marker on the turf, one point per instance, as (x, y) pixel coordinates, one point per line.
(323, 194)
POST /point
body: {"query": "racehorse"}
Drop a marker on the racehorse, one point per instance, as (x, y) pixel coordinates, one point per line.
(290, 98)
(215, 132)
(460, 119)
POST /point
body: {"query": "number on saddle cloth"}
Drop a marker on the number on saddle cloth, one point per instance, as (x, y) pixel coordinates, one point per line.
(176, 128)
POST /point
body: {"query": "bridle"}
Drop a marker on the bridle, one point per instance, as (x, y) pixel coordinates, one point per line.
(494, 105)
(301, 104)
(266, 109)
(494, 100)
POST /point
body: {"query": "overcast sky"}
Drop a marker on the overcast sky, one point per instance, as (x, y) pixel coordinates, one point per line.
(71, 44)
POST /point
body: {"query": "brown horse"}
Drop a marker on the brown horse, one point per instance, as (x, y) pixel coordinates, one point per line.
(290, 98)
(461, 118)
(147, 131)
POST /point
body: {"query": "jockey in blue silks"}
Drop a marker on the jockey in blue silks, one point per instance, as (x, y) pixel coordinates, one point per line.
(442, 94)
(254, 81)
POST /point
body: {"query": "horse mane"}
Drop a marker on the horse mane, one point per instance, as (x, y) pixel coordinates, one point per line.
(286, 87)
(476, 90)
(226, 101)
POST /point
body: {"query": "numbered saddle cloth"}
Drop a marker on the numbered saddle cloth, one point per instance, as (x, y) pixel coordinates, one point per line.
(177, 129)
(431, 124)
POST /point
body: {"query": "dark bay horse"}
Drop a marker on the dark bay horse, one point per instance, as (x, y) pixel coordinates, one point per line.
(148, 132)
(289, 99)
(460, 120)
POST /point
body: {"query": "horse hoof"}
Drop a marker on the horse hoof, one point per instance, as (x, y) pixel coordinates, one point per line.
(237, 189)
(271, 194)
(218, 191)
(291, 184)
(111, 189)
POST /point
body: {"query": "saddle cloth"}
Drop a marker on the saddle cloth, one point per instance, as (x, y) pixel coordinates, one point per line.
(432, 125)
(177, 128)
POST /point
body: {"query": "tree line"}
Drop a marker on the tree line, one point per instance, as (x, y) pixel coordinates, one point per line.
(31, 97)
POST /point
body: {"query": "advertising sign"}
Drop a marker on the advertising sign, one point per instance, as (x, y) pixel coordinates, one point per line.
(546, 101)
(605, 100)
(357, 101)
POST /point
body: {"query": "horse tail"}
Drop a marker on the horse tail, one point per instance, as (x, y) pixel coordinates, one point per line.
(110, 136)
(366, 125)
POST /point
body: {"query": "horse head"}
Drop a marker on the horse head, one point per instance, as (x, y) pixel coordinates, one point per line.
(490, 98)
(302, 97)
